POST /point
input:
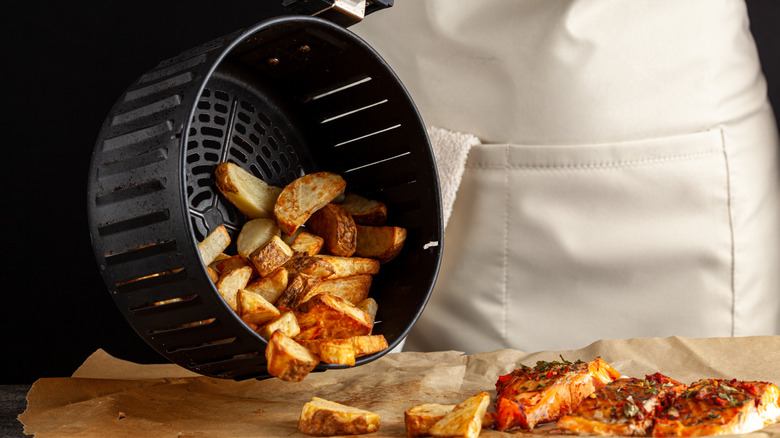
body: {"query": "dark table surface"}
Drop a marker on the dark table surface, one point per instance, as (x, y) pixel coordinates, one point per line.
(13, 401)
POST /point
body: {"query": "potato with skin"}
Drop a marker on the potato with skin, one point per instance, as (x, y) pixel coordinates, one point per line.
(297, 289)
(332, 351)
(287, 360)
(272, 286)
(230, 282)
(339, 318)
(251, 195)
(465, 420)
(307, 243)
(381, 243)
(212, 245)
(368, 344)
(254, 309)
(286, 323)
(272, 255)
(419, 419)
(305, 195)
(346, 266)
(365, 211)
(353, 288)
(321, 417)
(254, 234)
(335, 225)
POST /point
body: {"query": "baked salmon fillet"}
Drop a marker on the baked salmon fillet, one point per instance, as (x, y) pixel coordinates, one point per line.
(720, 407)
(541, 394)
(624, 407)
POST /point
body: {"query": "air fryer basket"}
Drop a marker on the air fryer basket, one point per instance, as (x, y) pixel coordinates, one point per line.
(289, 96)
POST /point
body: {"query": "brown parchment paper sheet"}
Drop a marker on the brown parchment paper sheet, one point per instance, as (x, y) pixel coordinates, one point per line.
(110, 397)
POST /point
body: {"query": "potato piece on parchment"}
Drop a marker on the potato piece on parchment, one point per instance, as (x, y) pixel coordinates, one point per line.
(212, 245)
(465, 420)
(305, 195)
(335, 225)
(419, 419)
(339, 318)
(288, 360)
(365, 211)
(381, 243)
(270, 256)
(254, 234)
(251, 195)
(321, 417)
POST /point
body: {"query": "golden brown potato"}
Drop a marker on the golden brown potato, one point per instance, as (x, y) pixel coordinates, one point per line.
(288, 360)
(365, 211)
(419, 419)
(272, 286)
(254, 234)
(332, 351)
(307, 243)
(339, 318)
(335, 225)
(465, 420)
(231, 281)
(213, 244)
(301, 263)
(346, 266)
(381, 243)
(321, 417)
(370, 306)
(270, 256)
(368, 344)
(254, 309)
(305, 195)
(251, 195)
(353, 288)
(286, 323)
(297, 290)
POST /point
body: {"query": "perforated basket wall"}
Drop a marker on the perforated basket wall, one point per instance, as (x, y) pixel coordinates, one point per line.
(289, 96)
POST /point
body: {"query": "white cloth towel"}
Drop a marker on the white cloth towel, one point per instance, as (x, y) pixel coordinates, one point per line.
(451, 150)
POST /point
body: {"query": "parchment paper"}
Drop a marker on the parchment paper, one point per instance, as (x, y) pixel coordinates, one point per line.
(110, 397)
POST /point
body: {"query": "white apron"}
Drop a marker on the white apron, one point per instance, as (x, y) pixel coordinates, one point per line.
(617, 174)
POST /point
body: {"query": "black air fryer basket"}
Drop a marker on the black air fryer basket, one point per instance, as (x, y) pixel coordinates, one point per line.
(289, 96)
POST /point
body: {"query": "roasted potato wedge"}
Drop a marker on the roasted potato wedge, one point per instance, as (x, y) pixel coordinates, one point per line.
(353, 288)
(254, 234)
(288, 360)
(231, 281)
(335, 225)
(297, 290)
(301, 263)
(332, 351)
(251, 195)
(214, 244)
(370, 306)
(321, 417)
(270, 256)
(464, 420)
(307, 243)
(254, 309)
(339, 318)
(272, 286)
(419, 419)
(368, 344)
(346, 266)
(286, 323)
(381, 243)
(365, 211)
(305, 195)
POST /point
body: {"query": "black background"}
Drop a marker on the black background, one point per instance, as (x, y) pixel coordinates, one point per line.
(64, 65)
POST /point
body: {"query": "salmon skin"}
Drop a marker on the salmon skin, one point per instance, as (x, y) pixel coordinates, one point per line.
(624, 407)
(720, 407)
(533, 395)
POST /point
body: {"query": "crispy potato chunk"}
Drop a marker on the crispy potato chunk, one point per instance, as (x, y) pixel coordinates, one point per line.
(288, 360)
(254, 309)
(286, 323)
(301, 263)
(365, 211)
(335, 225)
(270, 256)
(333, 351)
(297, 290)
(231, 281)
(321, 417)
(346, 266)
(307, 243)
(419, 419)
(368, 344)
(353, 288)
(256, 233)
(272, 286)
(465, 420)
(370, 306)
(339, 318)
(302, 197)
(213, 244)
(251, 195)
(381, 243)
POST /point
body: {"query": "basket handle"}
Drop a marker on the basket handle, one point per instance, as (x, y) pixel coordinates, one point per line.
(342, 12)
